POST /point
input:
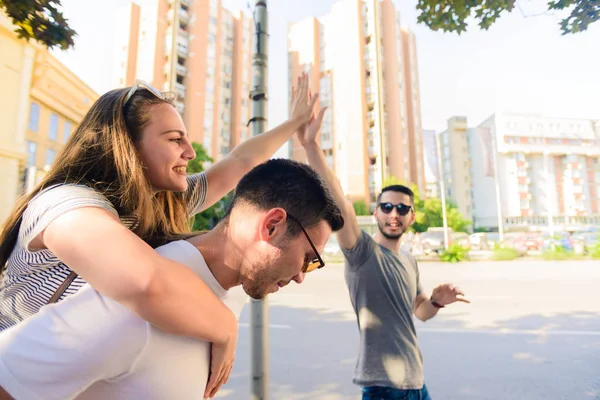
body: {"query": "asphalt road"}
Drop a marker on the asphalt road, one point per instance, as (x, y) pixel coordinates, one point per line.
(531, 332)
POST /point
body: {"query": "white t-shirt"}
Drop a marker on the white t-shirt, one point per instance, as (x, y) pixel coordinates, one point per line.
(91, 347)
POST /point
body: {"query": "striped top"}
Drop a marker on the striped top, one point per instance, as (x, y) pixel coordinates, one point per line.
(32, 277)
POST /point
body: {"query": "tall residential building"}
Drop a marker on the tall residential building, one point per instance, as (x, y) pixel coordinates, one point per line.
(357, 61)
(201, 52)
(456, 165)
(42, 104)
(430, 157)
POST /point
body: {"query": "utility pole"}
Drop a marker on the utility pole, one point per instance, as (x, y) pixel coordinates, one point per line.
(259, 311)
(495, 150)
(442, 189)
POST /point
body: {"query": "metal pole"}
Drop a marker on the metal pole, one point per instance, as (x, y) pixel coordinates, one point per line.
(497, 184)
(549, 197)
(259, 311)
(442, 190)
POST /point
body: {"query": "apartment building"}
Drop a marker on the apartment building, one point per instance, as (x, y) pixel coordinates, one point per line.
(456, 165)
(544, 170)
(43, 103)
(201, 52)
(430, 157)
(364, 64)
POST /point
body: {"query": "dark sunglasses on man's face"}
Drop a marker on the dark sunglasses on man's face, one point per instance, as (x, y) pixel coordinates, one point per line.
(401, 209)
(314, 263)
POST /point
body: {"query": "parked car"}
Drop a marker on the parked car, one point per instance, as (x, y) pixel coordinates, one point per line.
(558, 238)
(462, 239)
(587, 240)
(433, 240)
(533, 241)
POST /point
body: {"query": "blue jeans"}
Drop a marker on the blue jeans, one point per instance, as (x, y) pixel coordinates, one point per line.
(386, 393)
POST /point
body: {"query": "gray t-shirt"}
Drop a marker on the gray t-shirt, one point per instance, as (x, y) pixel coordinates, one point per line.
(383, 286)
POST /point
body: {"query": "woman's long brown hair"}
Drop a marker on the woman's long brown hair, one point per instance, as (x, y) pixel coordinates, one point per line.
(102, 155)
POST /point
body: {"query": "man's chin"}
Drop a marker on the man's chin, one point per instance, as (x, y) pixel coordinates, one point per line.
(255, 294)
(395, 235)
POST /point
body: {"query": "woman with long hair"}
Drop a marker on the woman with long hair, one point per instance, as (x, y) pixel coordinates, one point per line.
(120, 183)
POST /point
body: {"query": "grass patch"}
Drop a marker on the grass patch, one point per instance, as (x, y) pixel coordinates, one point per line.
(505, 254)
(455, 253)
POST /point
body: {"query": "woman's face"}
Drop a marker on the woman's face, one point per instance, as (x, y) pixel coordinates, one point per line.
(165, 150)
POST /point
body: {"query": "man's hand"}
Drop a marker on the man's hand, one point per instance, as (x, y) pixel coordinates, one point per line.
(447, 294)
(303, 104)
(221, 363)
(308, 133)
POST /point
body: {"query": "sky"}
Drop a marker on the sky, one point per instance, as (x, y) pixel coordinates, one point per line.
(521, 64)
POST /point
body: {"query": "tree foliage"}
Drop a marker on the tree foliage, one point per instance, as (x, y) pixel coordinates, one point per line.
(451, 15)
(208, 218)
(361, 208)
(428, 212)
(40, 20)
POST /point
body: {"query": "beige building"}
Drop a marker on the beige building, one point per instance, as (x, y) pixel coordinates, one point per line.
(363, 64)
(456, 165)
(42, 104)
(201, 52)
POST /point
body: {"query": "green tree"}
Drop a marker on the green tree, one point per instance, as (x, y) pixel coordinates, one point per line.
(208, 218)
(40, 20)
(451, 15)
(360, 208)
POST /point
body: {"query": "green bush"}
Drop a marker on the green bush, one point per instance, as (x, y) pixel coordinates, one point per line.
(360, 207)
(595, 251)
(557, 253)
(504, 253)
(455, 253)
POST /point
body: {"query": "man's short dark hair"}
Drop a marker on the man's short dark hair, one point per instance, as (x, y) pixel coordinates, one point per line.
(293, 186)
(399, 189)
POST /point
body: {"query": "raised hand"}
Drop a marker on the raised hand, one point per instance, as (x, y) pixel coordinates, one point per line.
(447, 294)
(302, 104)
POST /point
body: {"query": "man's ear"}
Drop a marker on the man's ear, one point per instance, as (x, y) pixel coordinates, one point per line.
(273, 225)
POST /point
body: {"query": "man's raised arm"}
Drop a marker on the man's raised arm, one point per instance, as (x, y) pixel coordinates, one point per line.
(348, 235)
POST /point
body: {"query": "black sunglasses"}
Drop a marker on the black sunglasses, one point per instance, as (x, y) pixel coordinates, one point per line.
(314, 263)
(402, 209)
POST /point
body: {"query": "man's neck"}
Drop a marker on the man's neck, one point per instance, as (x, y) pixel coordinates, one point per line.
(390, 244)
(220, 256)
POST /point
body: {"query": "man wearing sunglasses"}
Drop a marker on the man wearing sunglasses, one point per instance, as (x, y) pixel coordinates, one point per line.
(384, 286)
(91, 347)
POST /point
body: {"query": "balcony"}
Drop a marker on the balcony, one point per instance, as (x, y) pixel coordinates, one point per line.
(186, 3)
(182, 15)
(179, 106)
(180, 69)
(179, 90)
(183, 34)
(182, 51)
(371, 116)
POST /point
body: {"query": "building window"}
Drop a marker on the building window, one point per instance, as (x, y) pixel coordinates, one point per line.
(66, 131)
(31, 151)
(50, 156)
(53, 133)
(34, 117)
